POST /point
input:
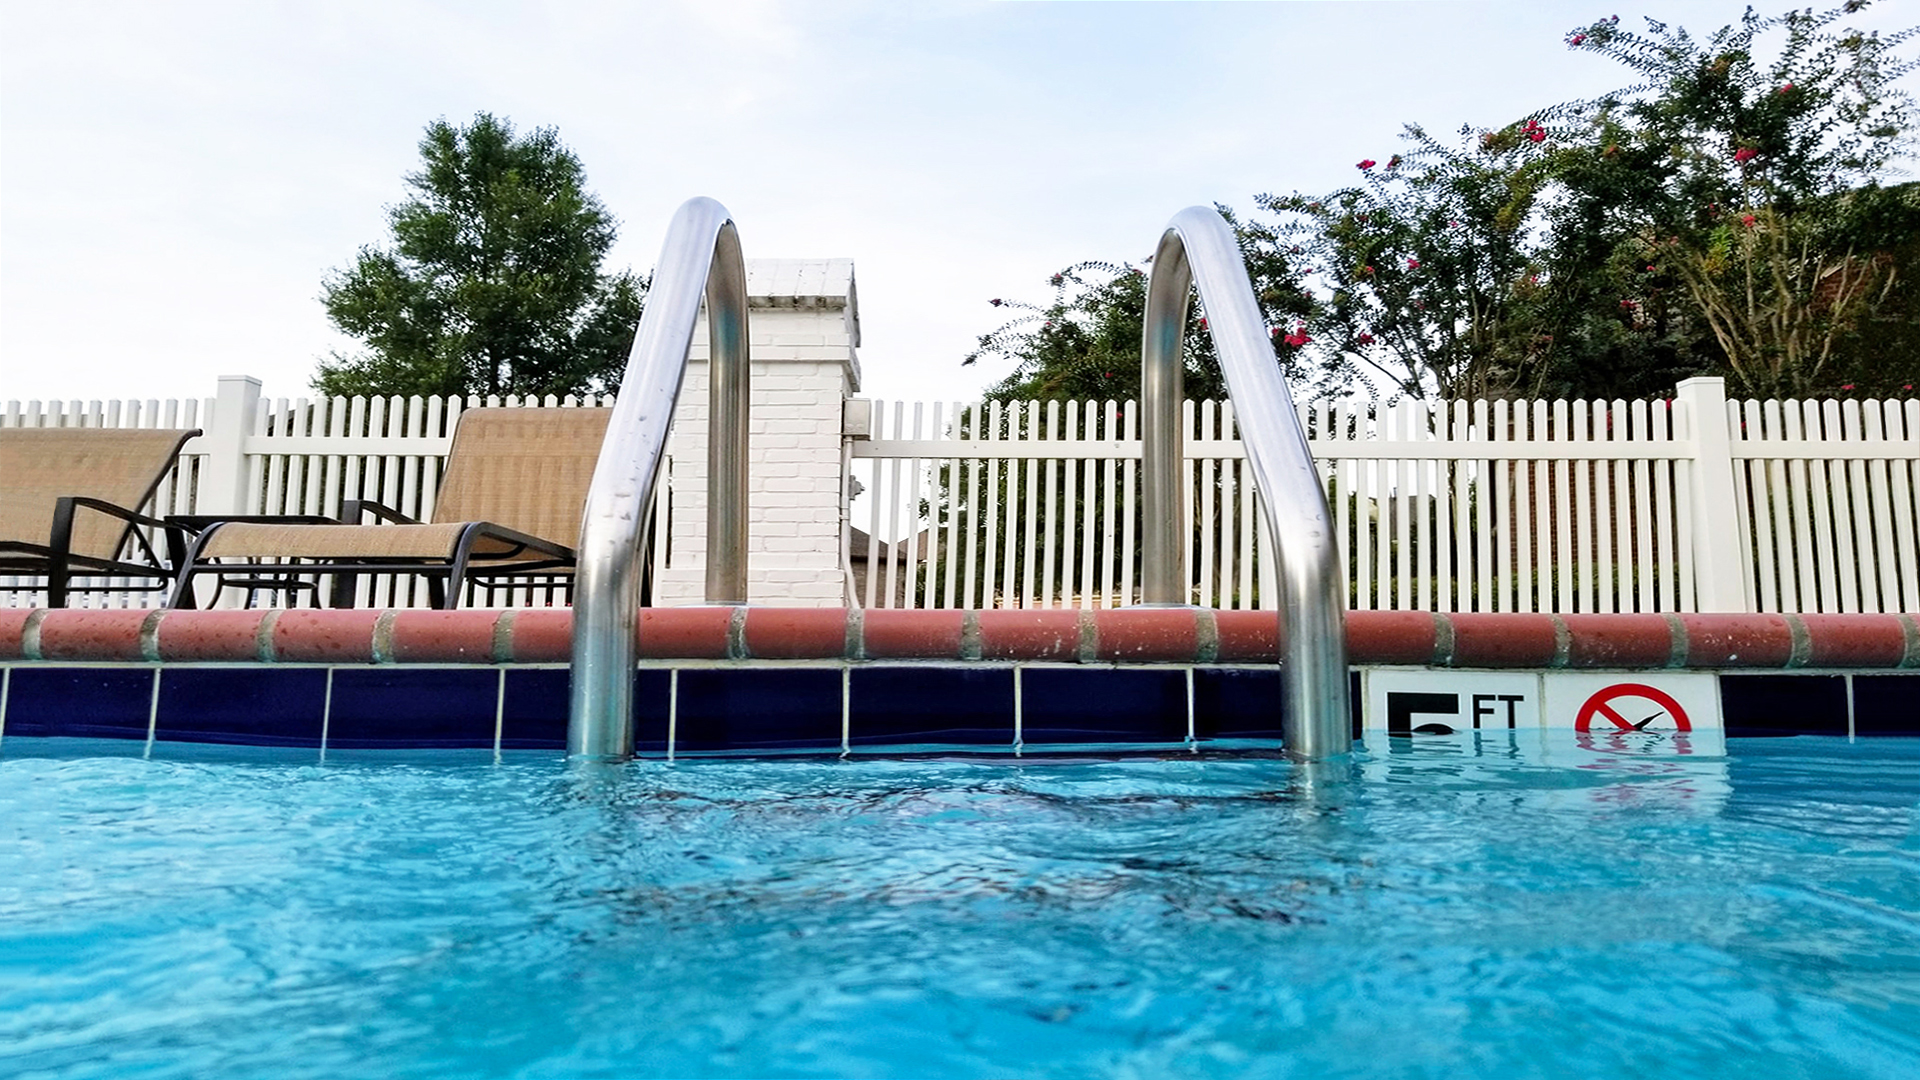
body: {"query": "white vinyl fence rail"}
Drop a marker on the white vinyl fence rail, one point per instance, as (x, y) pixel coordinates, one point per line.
(1531, 506)
(289, 456)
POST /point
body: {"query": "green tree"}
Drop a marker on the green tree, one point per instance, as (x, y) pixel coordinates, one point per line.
(1745, 170)
(1723, 216)
(492, 283)
(1421, 274)
(1084, 344)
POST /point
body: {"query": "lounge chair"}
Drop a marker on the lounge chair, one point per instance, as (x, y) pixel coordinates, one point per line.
(70, 501)
(509, 506)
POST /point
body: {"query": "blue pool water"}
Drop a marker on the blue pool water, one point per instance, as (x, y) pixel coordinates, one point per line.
(1449, 907)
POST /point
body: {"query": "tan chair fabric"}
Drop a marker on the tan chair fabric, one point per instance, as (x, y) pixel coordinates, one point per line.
(116, 465)
(243, 539)
(526, 469)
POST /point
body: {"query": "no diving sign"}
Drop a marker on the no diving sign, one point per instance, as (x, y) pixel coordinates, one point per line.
(1607, 705)
(1622, 703)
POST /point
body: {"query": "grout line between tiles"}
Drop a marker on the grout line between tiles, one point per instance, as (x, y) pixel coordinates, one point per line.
(153, 712)
(326, 716)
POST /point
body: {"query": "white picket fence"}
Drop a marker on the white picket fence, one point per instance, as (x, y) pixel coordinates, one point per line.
(289, 456)
(1548, 506)
(1462, 506)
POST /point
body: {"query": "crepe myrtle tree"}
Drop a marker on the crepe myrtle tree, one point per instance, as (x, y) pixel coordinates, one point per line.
(1725, 215)
(492, 281)
(1453, 270)
(1746, 171)
(1419, 274)
(1084, 342)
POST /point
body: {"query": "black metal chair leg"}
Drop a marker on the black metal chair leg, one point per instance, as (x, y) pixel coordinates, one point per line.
(344, 587)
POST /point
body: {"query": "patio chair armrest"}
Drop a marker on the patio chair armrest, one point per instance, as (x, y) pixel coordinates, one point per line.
(352, 510)
(514, 536)
(64, 506)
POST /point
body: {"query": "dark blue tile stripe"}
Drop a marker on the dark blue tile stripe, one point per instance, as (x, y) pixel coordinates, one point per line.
(799, 708)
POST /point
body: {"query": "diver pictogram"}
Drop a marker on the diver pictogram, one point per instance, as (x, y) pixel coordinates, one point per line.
(1633, 707)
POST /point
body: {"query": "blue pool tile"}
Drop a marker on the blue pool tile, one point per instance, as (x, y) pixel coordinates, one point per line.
(534, 713)
(1886, 704)
(651, 687)
(759, 709)
(907, 704)
(1237, 703)
(1784, 704)
(534, 716)
(412, 708)
(242, 706)
(80, 702)
(1103, 705)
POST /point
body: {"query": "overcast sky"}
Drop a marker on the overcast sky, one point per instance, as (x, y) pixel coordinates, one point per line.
(176, 178)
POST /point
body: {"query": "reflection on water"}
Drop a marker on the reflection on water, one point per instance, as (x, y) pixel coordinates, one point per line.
(1492, 904)
(1551, 769)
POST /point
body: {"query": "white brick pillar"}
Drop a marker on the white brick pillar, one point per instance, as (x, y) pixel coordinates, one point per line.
(804, 326)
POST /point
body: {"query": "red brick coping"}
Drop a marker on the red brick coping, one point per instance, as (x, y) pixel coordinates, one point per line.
(1125, 635)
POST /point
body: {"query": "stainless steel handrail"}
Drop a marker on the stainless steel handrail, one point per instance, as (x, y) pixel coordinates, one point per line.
(701, 257)
(1198, 248)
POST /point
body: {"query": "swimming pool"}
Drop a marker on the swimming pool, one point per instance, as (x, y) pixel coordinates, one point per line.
(1497, 904)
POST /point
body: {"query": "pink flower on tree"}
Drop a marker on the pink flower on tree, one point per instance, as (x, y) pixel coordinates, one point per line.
(1365, 163)
(1744, 155)
(1297, 338)
(1413, 264)
(1576, 39)
(1364, 338)
(1749, 220)
(1534, 131)
(1786, 88)
(995, 302)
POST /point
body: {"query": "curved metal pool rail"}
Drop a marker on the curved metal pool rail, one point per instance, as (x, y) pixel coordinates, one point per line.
(1198, 248)
(701, 258)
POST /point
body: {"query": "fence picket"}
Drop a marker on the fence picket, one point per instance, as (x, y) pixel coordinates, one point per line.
(1903, 481)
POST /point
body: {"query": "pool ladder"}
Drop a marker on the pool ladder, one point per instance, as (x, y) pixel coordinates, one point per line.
(701, 258)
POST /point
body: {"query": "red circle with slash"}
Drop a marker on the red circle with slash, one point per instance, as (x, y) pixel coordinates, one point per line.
(1601, 704)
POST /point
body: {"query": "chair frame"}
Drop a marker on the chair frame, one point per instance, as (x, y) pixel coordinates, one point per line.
(444, 576)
